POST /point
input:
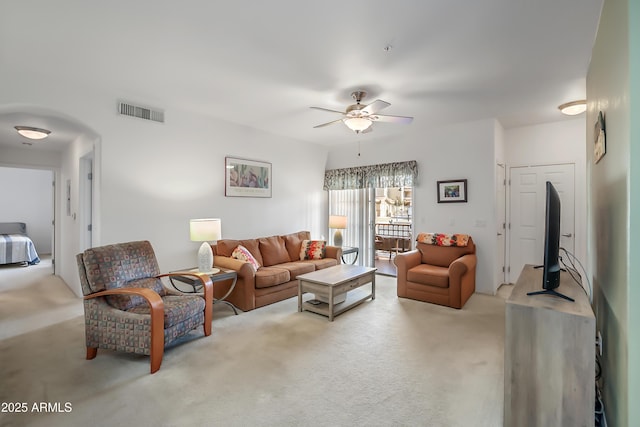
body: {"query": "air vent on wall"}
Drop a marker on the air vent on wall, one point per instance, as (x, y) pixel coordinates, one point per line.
(128, 109)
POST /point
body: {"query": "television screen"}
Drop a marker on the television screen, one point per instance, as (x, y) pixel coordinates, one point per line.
(551, 267)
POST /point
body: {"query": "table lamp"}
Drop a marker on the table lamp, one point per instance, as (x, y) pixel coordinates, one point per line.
(337, 222)
(205, 230)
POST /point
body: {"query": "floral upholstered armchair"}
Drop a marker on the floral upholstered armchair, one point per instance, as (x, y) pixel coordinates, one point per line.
(126, 306)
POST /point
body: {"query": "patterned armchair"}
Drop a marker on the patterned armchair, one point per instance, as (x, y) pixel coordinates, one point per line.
(126, 306)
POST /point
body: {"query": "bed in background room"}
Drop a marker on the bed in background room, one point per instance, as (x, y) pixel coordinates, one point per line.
(15, 246)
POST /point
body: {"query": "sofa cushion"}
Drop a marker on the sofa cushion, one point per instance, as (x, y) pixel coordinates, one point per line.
(297, 268)
(271, 276)
(293, 242)
(431, 275)
(226, 247)
(273, 250)
(243, 254)
(322, 263)
(443, 256)
(114, 266)
(441, 239)
(313, 249)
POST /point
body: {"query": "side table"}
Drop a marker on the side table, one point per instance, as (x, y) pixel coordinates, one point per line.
(350, 250)
(216, 275)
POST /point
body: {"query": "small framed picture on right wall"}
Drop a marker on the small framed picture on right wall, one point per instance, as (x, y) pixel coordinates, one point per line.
(600, 147)
(452, 191)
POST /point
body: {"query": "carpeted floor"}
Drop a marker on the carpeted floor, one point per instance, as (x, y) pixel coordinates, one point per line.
(387, 362)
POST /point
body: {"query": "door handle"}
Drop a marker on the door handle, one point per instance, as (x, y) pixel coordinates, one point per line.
(499, 234)
(567, 235)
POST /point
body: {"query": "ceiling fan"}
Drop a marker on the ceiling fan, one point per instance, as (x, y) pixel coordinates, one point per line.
(359, 118)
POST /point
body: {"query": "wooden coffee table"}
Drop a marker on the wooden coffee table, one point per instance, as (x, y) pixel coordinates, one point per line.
(333, 281)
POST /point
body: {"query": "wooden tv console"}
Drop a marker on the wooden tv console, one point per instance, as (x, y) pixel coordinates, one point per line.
(549, 355)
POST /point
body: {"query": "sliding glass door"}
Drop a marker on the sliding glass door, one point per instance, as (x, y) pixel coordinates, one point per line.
(352, 194)
(359, 208)
(393, 226)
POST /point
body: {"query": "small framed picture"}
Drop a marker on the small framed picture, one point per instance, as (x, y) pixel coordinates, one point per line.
(600, 147)
(247, 178)
(453, 191)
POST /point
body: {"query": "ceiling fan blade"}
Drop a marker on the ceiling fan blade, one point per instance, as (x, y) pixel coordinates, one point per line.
(375, 106)
(391, 119)
(328, 123)
(326, 109)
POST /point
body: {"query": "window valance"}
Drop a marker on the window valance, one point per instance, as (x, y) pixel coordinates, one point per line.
(397, 174)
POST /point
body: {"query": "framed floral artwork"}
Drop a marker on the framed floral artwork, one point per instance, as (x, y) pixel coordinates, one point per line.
(247, 178)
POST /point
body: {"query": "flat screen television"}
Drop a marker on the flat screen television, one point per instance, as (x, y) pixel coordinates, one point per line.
(551, 267)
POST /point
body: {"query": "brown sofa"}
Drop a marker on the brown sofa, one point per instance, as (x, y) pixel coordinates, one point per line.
(280, 265)
(444, 275)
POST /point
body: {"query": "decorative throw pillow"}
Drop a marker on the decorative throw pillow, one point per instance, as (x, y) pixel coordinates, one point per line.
(313, 249)
(243, 254)
(440, 239)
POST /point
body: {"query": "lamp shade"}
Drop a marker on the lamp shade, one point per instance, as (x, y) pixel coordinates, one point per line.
(338, 221)
(205, 229)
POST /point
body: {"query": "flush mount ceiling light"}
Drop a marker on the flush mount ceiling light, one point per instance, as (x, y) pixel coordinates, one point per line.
(32, 133)
(573, 108)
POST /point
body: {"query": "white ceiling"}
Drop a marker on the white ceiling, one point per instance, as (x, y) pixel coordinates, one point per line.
(263, 64)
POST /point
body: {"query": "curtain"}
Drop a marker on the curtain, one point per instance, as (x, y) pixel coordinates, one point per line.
(357, 205)
(398, 174)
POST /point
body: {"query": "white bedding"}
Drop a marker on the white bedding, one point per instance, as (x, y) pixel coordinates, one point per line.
(17, 248)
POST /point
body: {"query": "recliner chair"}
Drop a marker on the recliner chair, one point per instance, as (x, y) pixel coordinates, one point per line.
(126, 306)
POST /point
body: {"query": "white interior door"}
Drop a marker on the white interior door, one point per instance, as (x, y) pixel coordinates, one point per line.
(527, 212)
(501, 201)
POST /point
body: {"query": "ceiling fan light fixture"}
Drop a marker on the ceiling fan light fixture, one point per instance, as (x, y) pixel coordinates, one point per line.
(358, 124)
(32, 133)
(573, 108)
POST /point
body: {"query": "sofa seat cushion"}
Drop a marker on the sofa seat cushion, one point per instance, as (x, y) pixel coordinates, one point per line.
(176, 308)
(297, 268)
(432, 275)
(271, 276)
(319, 264)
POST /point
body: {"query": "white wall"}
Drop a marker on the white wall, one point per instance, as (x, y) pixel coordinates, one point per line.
(554, 143)
(27, 196)
(152, 178)
(463, 151)
(613, 87)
